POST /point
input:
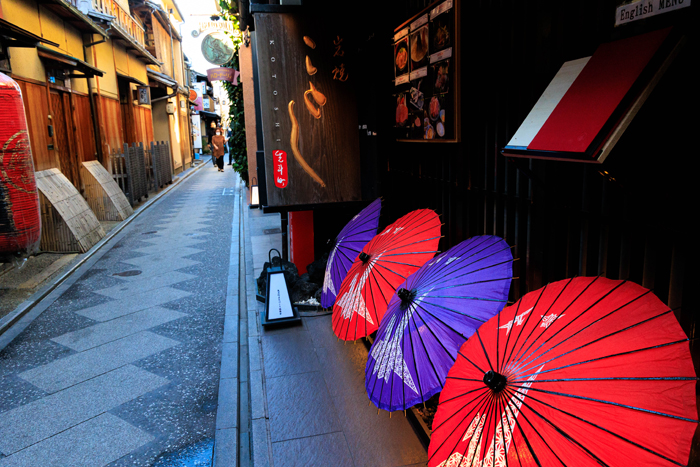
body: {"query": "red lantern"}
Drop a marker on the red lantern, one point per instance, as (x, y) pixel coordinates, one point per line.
(20, 221)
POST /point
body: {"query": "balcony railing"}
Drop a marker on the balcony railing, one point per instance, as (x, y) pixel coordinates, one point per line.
(122, 18)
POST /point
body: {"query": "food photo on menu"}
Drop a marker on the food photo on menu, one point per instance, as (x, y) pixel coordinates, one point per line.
(401, 57)
(419, 48)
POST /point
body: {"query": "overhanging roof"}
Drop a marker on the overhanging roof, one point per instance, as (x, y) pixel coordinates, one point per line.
(69, 62)
(130, 79)
(14, 36)
(205, 113)
(74, 16)
(161, 78)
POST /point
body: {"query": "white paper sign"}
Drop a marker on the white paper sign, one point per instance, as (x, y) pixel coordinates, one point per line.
(642, 9)
(279, 305)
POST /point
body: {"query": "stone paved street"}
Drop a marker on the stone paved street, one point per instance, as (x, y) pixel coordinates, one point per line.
(123, 368)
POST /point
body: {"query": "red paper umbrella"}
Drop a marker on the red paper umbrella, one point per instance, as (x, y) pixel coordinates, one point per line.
(384, 264)
(582, 372)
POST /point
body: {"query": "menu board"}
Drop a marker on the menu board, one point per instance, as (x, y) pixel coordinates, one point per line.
(425, 94)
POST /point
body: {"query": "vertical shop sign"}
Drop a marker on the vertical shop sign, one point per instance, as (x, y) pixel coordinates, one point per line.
(308, 110)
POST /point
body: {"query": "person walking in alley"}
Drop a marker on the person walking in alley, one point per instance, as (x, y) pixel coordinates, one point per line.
(217, 142)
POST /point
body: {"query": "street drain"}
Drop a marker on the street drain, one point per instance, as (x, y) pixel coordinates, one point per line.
(149, 233)
(272, 231)
(133, 272)
(194, 234)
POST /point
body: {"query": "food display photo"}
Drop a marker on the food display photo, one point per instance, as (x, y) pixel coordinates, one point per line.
(401, 57)
(419, 48)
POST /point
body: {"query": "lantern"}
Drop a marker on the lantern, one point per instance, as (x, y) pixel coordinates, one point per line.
(20, 221)
(254, 194)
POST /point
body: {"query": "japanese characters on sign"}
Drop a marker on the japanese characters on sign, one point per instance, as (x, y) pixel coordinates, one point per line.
(279, 158)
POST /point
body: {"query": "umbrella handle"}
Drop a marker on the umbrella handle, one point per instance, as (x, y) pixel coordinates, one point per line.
(269, 254)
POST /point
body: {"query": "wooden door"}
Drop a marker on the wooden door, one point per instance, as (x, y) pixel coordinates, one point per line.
(64, 137)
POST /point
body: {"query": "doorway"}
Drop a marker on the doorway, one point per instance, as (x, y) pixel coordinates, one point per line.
(65, 142)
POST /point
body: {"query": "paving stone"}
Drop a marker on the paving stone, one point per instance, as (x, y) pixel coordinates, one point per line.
(261, 454)
(38, 420)
(108, 331)
(146, 284)
(136, 302)
(314, 451)
(257, 395)
(288, 353)
(169, 262)
(226, 448)
(96, 442)
(385, 441)
(299, 406)
(343, 366)
(229, 360)
(227, 413)
(82, 366)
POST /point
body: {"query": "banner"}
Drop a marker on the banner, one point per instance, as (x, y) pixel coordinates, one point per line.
(196, 131)
(223, 74)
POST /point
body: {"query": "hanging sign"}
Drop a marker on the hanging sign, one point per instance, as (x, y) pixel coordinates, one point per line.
(642, 9)
(228, 26)
(223, 74)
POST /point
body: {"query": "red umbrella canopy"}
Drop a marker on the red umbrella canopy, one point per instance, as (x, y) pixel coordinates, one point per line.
(583, 372)
(384, 264)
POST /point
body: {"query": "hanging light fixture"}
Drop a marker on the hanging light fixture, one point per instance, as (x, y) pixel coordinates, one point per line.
(254, 195)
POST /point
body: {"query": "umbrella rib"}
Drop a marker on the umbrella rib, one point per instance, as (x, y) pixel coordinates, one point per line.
(512, 439)
(582, 329)
(384, 355)
(523, 357)
(378, 265)
(451, 328)
(560, 431)
(413, 352)
(479, 269)
(458, 263)
(505, 348)
(459, 352)
(527, 320)
(470, 283)
(651, 451)
(484, 349)
(652, 378)
(410, 253)
(607, 356)
(425, 349)
(481, 434)
(519, 366)
(522, 432)
(615, 404)
(404, 245)
(479, 405)
(520, 352)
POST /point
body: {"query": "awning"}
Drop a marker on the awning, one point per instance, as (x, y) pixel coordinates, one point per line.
(130, 79)
(69, 62)
(14, 36)
(161, 78)
(591, 101)
(207, 114)
(74, 16)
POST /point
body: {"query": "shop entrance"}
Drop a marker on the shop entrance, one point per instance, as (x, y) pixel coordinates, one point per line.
(65, 143)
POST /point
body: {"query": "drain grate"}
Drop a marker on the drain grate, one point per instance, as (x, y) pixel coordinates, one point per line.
(276, 230)
(133, 272)
(150, 233)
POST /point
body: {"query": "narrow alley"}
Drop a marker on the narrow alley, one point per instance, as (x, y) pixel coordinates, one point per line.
(123, 368)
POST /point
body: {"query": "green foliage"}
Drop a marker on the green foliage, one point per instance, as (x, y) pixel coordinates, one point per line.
(236, 119)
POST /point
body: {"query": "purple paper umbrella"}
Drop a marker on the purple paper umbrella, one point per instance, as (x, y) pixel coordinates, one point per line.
(431, 315)
(348, 244)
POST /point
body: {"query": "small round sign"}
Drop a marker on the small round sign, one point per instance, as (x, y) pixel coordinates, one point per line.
(217, 48)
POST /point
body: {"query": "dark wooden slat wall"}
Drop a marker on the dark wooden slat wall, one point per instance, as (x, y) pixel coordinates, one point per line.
(629, 218)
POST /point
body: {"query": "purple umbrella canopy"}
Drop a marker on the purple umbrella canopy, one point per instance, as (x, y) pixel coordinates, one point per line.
(431, 315)
(348, 244)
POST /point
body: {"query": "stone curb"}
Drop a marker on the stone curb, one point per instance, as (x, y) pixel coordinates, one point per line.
(261, 443)
(226, 445)
(16, 321)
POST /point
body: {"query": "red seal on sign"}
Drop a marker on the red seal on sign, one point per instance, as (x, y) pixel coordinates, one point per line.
(279, 158)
